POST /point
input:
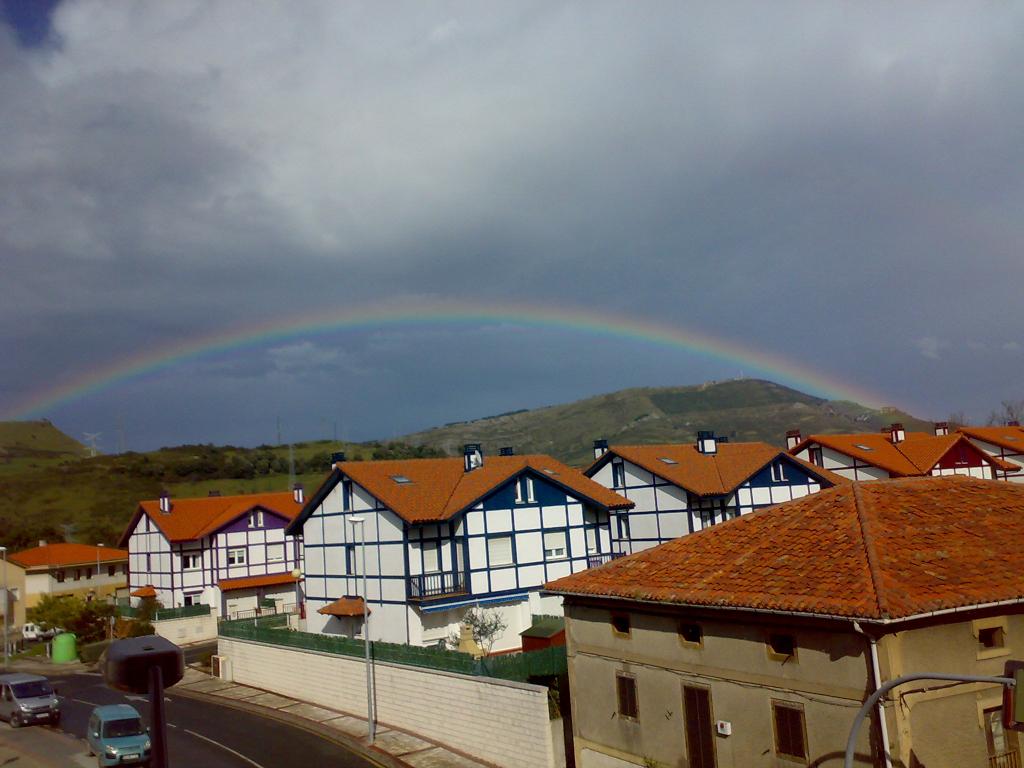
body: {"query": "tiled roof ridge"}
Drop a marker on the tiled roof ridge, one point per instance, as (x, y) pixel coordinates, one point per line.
(860, 509)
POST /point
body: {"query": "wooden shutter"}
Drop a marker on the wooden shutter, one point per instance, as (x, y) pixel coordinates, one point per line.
(700, 735)
(789, 730)
(499, 550)
(626, 689)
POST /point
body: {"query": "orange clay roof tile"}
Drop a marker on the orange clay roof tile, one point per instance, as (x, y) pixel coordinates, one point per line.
(66, 554)
(1010, 437)
(915, 456)
(191, 519)
(877, 550)
(708, 474)
(441, 488)
(249, 582)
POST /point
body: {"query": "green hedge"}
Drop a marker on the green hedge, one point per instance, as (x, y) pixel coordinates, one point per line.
(165, 614)
(518, 666)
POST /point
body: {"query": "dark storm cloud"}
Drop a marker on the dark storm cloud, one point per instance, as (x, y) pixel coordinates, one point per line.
(837, 183)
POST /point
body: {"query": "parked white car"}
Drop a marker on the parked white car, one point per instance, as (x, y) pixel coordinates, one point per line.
(35, 632)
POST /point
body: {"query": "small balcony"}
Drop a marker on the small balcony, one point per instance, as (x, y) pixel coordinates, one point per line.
(600, 559)
(433, 586)
(1005, 760)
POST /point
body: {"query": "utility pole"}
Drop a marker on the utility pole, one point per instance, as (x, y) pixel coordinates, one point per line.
(291, 465)
(278, 431)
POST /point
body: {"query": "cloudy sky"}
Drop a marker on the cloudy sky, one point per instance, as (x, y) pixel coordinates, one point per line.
(834, 184)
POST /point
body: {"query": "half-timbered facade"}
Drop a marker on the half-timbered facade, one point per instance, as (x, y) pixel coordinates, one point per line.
(441, 535)
(227, 552)
(678, 489)
(1005, 443)
(895, 452)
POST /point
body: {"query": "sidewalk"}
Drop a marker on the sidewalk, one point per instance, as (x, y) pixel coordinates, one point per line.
(392, 747)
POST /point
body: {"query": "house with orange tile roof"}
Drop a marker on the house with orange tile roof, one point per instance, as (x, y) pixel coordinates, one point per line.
(228, 552)
(444, 535)
(680, 488)
(1005, 443)
(755, 642)
(894, 452)
(82, 570)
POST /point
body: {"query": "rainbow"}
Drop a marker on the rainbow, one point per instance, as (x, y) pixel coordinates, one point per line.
(442, 313)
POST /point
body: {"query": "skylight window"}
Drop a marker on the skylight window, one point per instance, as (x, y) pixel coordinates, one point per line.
(863, 447)
(401, 479)
(550, 472)
(666, 460)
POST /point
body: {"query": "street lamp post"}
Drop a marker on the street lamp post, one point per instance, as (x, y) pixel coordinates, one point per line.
(371, 726)
(7, 605)
(98, 570)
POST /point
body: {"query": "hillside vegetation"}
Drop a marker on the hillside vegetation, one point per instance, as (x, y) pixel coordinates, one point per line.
(747, 409)
(58, 497)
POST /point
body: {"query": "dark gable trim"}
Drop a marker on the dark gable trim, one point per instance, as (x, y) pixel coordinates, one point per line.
(295, 527)
(122, 543)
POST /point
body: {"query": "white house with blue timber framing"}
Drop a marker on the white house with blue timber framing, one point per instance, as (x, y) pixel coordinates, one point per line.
(443, 535)
(227, 552)
(677, 489)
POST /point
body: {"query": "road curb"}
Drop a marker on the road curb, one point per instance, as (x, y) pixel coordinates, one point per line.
(374, 755)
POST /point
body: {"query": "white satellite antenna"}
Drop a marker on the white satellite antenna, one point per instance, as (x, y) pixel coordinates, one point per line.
(92, 438)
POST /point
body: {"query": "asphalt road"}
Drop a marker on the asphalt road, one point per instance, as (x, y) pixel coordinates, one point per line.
(204, 734)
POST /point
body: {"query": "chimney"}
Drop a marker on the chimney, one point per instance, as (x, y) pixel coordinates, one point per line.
(896, 433)
(165, 502)
(706, 443)
(297, 494)
(337, 457)
(472, 456)
(793, 439)
(508, 450)
(600, 448)
(1013, 423)
(941, 428)
(213, 493)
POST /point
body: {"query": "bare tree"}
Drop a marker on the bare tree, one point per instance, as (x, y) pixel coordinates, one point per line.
(485, 625)
(1012, 410)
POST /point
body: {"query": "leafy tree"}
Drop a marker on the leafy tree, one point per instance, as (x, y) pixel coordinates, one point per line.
(88, 620)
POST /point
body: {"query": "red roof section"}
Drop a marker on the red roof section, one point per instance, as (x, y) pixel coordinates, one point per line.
(250, 582)
(146, 591)
(63, 554)
(343, 606)
(915, 456)
(1011, 438)
(708, 474)
(191, 519)
(441, 488)
(877, 550)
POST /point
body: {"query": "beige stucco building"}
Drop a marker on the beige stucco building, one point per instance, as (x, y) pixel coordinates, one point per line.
(81, 570)
(751, 643)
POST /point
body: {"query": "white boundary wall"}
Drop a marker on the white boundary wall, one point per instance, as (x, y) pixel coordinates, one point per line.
(500, 721)
(190, 629)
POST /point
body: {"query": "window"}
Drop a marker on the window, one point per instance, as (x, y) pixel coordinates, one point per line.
(624, 527)
(554, 545)
(124, 569)
(111, 570)
(191, 561)
(401, 479)
(346, 495)
(236, 556)
(1002, 744)
(499, 550)
(816, 457)
(524, 490)
(256, 518)
(621, 624)
(790, 735)
(700, 727)
(778, 472)
(192, 599)
(88, 573)
(691, 634)
(78, 574)
(618, 474)
(625, 687)
(149, 562)
(350, 559)
(781, 647)
(59, 575)
(863, 447)
(431, 556)
(275, 553)
(990, 637)
(667, 460)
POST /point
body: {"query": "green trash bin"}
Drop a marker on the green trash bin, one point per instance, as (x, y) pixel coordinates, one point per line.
(64, 648)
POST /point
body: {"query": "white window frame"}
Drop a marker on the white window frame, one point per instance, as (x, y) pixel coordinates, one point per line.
(234, 552)
(276, 547)
(434, 549)
(192, 598)
(556, 549)
(527, 483)
(778, 472)
(196, 558)
(256, 518)
(492, 561)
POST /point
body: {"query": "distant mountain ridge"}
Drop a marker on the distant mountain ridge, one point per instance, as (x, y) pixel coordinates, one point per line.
(743, 410)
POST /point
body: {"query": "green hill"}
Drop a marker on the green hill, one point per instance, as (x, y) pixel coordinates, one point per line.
(746, 409)
(90, 500)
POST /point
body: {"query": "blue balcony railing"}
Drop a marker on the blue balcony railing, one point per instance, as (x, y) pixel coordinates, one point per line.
(600, 559)
(429, 586)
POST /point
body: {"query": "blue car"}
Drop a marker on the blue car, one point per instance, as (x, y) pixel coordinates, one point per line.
(117, 737)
